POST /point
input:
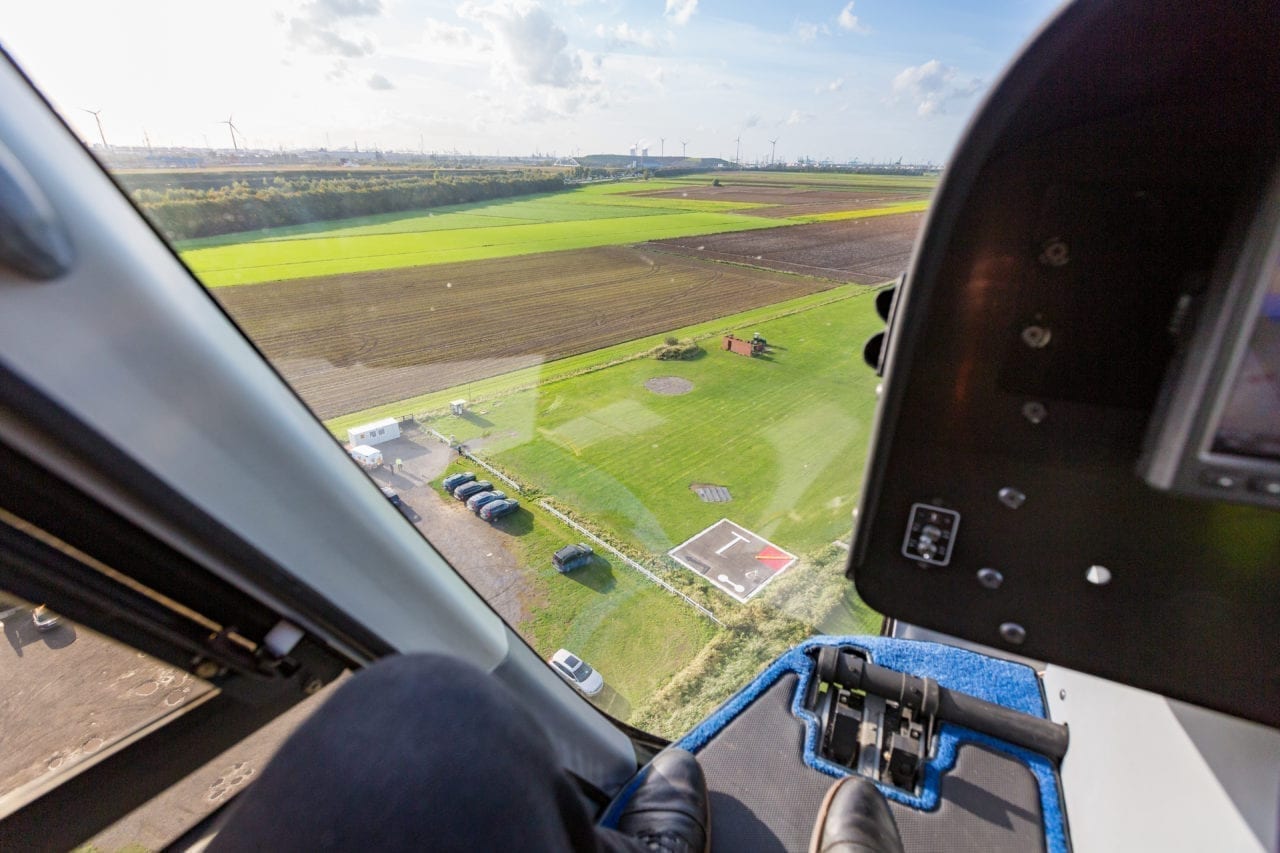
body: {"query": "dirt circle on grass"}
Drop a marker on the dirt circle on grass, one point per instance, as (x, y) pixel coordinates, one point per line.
(669, 386)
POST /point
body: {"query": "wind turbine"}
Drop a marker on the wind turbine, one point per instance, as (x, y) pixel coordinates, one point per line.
(97, 116)
(773, 149)
(684, 147)
(737, 151)
(662, 146)
(234, 130)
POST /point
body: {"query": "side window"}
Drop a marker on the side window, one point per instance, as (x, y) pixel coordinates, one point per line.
(72, 693)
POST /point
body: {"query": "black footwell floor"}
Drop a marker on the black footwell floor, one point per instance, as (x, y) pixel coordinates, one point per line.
(764, 797)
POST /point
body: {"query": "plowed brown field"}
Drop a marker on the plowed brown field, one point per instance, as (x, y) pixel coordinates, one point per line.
(790, 201)
(863, 251)
(349, 342)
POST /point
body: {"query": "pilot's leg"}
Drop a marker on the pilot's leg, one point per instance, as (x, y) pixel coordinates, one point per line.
(426, 752)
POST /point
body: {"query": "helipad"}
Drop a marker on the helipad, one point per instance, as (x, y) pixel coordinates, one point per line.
(733, 558)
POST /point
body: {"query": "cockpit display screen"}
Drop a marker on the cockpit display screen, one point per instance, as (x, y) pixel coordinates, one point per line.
(1250, 421)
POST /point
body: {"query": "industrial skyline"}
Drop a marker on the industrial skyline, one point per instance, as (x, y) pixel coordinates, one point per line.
(829, 81)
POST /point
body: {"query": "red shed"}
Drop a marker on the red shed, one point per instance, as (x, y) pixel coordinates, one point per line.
(741, 347)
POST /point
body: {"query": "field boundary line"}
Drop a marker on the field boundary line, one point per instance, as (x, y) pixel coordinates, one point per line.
(426, 408)
(642, 354)
(637, 355)
(546, 504)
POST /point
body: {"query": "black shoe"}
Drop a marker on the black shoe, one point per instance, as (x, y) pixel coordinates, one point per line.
(669, 810)
(855, 818)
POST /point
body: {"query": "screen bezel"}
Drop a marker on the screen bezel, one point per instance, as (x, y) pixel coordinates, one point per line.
(1178, 453)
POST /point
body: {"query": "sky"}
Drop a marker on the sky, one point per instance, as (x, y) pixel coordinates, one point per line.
(872, 80)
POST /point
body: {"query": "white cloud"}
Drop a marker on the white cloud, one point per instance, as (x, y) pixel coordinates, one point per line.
(330, 9)
(441, 33)
(826, 88)
(806, 32)
(931, 85)
(623, 34)
(379, 83)
(322, 39)
(530, 47)
(318, 27)
(798, 117)
(681, 11)
(849, 21)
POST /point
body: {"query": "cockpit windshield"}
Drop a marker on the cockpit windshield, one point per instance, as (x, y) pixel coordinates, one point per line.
(614, 260)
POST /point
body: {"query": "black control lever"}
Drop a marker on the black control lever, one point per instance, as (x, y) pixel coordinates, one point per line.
(928, 697)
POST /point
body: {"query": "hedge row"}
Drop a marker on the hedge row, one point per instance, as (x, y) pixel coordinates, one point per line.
(183, 213)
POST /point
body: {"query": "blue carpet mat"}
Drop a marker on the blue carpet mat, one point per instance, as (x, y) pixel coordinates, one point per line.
(1003, 682)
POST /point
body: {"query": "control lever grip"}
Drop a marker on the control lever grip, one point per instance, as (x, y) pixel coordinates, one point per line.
(927, 696)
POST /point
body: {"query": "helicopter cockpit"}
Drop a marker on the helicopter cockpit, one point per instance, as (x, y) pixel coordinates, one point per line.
(1070, 513)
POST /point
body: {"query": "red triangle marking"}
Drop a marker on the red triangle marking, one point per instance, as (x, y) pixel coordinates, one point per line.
(773, 558)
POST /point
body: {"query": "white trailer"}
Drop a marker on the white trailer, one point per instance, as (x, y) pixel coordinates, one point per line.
(374, 433)
(368, 457)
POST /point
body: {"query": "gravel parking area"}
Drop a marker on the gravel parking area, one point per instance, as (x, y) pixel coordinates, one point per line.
(478, 551)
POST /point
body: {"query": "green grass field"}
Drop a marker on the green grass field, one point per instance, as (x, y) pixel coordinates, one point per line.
(597, 215)
(786, 433)
(250, 263)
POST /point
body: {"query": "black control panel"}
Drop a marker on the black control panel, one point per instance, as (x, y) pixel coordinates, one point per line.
(930, 534)
(1077, 232)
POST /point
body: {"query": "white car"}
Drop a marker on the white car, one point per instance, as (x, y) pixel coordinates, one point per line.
(45, 619)
(577, 672)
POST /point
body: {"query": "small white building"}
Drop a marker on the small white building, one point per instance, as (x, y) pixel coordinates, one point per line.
(457, 407)
(374, 433)
(368, 457)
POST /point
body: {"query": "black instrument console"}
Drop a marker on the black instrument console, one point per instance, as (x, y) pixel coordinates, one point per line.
(1083, 365)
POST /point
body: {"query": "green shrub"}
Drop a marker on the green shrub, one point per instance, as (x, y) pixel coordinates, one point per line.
(676, 350)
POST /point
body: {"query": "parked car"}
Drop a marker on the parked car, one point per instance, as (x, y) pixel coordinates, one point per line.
(475, 487)
(454, 480)
(577, 672)
(494, 510)
(390, 495)
(45, 619)
(571, 557)
(476, 501)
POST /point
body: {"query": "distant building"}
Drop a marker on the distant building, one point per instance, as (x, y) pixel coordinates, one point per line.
(374, 433)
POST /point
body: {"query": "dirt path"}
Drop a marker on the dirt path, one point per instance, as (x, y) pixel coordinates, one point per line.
(477, 550)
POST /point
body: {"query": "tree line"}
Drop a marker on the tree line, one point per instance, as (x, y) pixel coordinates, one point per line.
(183, 212)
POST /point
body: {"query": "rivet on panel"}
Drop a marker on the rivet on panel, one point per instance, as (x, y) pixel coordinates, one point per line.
(990, 578)
(1055, 253)
(1098, 575)
(1013, 633)
(1011, 497)
(1037, 337)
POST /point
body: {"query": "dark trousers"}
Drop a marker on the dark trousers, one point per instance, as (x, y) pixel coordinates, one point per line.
(417, 752)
